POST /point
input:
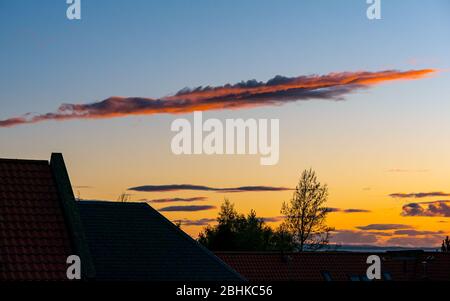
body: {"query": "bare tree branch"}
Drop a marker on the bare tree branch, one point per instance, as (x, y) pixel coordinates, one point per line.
(306, 213)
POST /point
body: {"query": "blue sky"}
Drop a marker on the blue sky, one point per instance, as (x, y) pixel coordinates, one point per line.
(154, 48)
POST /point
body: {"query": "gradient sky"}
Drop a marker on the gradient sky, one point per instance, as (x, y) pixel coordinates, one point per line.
(391, 138)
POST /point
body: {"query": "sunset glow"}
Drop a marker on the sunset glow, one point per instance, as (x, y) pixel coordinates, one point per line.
(363, 103)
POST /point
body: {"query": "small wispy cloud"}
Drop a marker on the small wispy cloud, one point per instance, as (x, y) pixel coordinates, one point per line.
(417, 242)
(429, 209)
(388, 235)
(191, 208)
(383, 227)
(413, 232)
(277, 91)
(351, 237)
(419, 195)
(175, 200)
(273, 219)
(400, 170)
(195, 222)
(350, 210)
(82, 187)
(177, 187)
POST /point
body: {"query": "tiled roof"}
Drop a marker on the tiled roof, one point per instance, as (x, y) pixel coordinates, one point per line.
(340, 266)
(132, 241)
(34, 240)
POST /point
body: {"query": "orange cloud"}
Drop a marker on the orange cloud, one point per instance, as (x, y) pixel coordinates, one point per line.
(277, 91)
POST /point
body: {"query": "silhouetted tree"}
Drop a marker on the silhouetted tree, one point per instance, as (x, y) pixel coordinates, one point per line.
(446, 245)
(237, 232)
(222, 236)
(282, 240)
(306, 213)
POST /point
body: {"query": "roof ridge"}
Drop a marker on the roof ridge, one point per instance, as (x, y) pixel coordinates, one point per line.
(196, 243)
(24, 160)
(70, 210)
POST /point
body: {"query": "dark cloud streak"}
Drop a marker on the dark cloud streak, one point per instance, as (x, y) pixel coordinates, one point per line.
(383, 227)
(177, 187)
(350, 210)
(174, 200)
(196, 222)
(192, 208)
(412, 232)
(419, 195)
(428, 209)
(249, 94)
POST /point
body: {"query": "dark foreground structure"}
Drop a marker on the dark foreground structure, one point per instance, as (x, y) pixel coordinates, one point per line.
(132, 241)
(41, 224)
(338, 266)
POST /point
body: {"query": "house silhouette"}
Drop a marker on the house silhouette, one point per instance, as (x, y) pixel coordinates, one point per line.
(41, 224)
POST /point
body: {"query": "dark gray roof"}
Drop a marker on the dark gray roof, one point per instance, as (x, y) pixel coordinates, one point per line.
(132, 241)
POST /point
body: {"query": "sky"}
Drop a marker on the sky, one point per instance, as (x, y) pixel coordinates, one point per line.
(381, 145)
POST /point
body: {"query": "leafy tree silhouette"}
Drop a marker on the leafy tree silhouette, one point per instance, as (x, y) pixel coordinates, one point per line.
(237, 232)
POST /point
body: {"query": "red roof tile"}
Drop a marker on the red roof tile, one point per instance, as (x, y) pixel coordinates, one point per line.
(34, 240)
(310, 266)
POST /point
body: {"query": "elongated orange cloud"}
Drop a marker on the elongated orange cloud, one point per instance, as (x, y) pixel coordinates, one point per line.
(277, 91)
